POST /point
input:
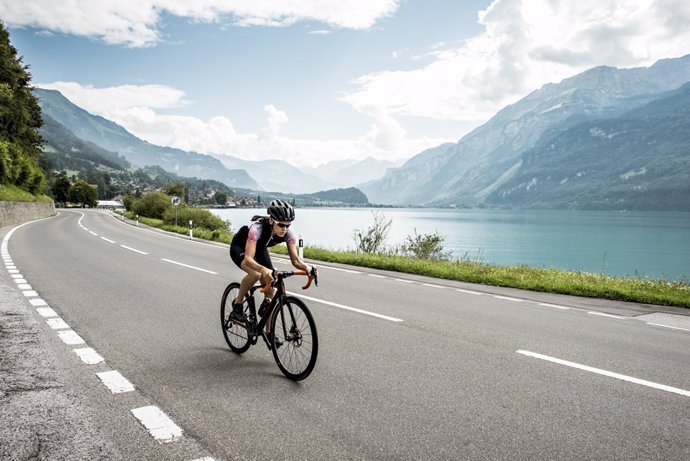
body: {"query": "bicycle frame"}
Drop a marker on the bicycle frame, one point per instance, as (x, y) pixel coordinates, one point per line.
(257, 329)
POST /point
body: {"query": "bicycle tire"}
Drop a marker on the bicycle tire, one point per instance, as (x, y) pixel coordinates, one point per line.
(294, 325)
(236, 335)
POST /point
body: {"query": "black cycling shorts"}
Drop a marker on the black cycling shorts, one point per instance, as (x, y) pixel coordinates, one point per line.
(262, 257)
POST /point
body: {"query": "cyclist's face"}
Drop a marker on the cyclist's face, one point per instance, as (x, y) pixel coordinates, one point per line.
(280, 228)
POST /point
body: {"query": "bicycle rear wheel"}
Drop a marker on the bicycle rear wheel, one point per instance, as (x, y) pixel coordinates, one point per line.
(294, 326)
(236, 334)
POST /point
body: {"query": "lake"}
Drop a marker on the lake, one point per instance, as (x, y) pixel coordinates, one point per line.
(650, 244)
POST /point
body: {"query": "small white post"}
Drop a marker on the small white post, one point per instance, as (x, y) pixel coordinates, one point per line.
(300, 247)
(191, 236)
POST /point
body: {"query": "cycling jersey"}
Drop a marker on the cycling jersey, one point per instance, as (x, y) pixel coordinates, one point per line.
(260, 232)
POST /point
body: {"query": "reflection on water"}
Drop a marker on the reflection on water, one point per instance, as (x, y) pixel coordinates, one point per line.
(618, 243)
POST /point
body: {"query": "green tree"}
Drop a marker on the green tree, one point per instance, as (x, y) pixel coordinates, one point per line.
(60, 189)
(20, 118)
(83, 193)
(221, 198)
(175, 189)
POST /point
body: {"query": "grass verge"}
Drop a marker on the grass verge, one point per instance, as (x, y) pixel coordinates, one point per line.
(632, 289)
(10, 193)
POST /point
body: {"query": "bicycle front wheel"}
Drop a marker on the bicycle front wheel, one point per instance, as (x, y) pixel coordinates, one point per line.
(294, 327)
(236, 335)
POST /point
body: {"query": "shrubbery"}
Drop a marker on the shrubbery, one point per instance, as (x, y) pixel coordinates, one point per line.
(371, 241)
(200, 218)
(152, 205)
(158, 205)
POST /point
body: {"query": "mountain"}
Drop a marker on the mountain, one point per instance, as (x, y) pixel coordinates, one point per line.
(112, 137)
(481, 163)
(66, 151)
(269, 175)
(277, 175)
(646, 165)
(62, 151)
(344, 173)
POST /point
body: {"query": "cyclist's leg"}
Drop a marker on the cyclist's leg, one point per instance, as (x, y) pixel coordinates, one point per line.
(237, 255)
(264, 258)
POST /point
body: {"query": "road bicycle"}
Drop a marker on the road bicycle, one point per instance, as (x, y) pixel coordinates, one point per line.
(292, 334)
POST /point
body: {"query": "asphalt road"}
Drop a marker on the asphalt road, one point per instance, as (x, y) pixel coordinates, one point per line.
(408, 368)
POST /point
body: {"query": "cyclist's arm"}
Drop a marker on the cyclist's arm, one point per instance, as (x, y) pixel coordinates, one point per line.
(251, 264)
(295, 259)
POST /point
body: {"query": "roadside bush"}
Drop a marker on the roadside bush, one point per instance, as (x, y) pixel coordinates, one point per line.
(427, 246)
(200, 218)
(371, 240)
(152, 205)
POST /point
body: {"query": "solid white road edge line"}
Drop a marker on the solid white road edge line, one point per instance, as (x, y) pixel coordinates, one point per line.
(341, 306)
(666, 326)
(508, 298)
(601, 314)
(555, 306)
(188, 266)
(610, 374)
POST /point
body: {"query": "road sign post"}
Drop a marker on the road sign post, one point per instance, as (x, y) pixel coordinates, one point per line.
(175, 201)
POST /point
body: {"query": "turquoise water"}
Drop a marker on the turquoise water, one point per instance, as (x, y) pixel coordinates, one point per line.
(651, 244)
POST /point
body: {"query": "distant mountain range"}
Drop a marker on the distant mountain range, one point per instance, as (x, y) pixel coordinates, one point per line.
(269, 175)
(605, 139)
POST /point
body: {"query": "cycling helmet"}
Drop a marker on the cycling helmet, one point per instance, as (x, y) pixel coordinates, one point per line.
(280, 210)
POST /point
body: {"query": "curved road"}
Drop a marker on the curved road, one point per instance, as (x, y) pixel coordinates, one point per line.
(409, 367)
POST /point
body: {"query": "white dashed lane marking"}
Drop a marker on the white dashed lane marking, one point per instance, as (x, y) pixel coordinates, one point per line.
(188, 266)
(70, 337)
(114, 381)
(134, 250)
(159, 425)
(56, 323)
(89, 356)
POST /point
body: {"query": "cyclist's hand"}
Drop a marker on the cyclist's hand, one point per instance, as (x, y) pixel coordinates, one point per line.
(266, 277)
(315, 275)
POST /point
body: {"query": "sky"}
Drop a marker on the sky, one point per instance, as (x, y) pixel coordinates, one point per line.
(313, 81)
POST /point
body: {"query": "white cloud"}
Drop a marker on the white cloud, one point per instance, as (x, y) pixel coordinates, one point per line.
(135, 108)
(135, 23)
(526, 44)
(276, 120)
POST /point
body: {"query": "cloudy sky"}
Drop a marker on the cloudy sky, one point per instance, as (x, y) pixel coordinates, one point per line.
(311, 81)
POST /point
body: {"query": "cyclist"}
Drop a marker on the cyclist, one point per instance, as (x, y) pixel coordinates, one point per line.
(249, 251)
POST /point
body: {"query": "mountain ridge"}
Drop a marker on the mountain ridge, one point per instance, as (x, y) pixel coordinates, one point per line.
(467, 172)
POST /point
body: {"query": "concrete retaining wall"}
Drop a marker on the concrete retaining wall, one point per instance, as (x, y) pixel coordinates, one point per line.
(13, 213)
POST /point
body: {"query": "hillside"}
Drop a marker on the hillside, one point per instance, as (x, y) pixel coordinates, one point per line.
(639, 160)
(114, 138)
(64, 152)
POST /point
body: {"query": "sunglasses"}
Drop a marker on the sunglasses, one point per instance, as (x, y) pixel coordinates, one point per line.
(283, 225)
